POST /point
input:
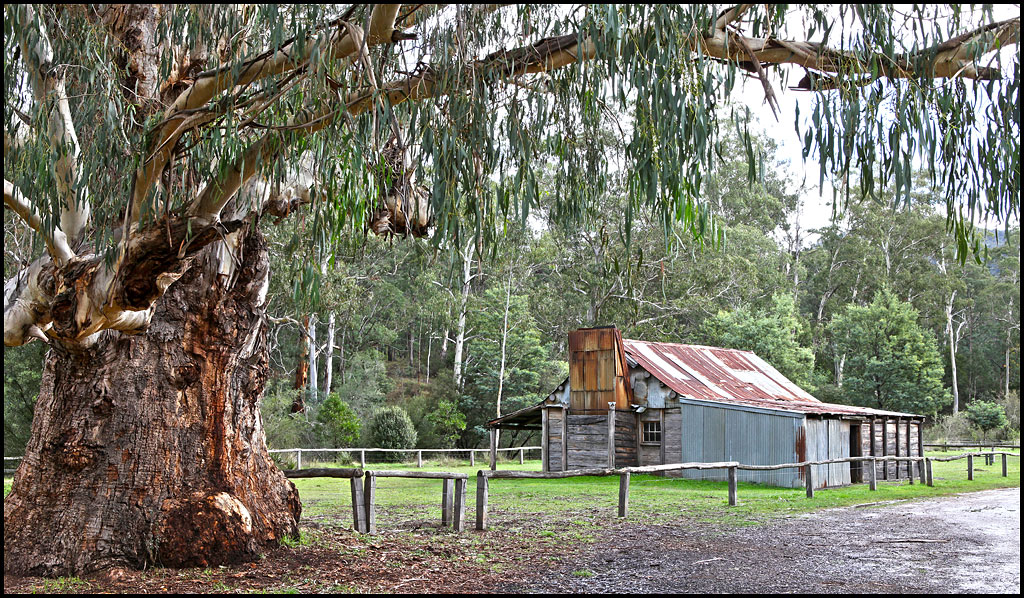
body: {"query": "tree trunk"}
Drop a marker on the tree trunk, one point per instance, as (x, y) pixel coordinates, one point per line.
(460, 338)
(329, 358)
(149, 450)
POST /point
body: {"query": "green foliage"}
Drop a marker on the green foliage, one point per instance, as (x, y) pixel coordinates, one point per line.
(366, 383)
(22, 373)
(987, 416)
(447, 422)
(501, 317)
(391, 428)
(285, 429)
(339, 424)
(891, 363)
(773, 334)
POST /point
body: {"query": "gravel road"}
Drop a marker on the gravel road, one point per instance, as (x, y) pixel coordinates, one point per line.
(969, 543)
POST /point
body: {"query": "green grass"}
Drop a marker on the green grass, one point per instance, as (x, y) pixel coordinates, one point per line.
(578, 506)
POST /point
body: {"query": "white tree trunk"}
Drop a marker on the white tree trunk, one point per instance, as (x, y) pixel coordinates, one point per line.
(311, 340)
(329, 358)
(460, 338)
(952, 351)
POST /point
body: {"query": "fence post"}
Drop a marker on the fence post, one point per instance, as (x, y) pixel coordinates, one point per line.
(910, 472)
(298, 458)
(472, 458)
(1004, 464)
(358, 506)
(460, 504)
(970, 467)
(928, 468)
(732, 486)
(874, 474)
(809, 476)
(419, 458)
(481, 501)
(521, 456)
(369, 495)
(494, 448)
(362, 459)
(446, 501)
(623, 494)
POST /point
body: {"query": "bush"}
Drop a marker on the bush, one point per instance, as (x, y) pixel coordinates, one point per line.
(339, 424)
(951, 427)
(986, 416)
(391, 428)
(447, 422)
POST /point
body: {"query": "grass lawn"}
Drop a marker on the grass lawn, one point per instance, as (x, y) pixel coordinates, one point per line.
(532, 524)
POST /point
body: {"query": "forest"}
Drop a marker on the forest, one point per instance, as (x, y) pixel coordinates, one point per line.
(454, 335)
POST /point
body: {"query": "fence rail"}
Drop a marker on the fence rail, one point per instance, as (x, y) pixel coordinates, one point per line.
(956, 444)
(419, 453)
(924, 472)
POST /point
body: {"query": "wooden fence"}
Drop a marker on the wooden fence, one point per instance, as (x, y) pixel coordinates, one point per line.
(956, 444)
(419, 453)
(924, 467)
(363, 485)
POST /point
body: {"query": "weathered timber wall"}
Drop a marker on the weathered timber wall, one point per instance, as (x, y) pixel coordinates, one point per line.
(556, 437)
(587, 441)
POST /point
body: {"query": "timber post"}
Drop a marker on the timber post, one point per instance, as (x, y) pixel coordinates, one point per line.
(732, 486)
(970, 467)
(873, 480)
(369, 495)
(298, 458)
(494, 448)
(544, 448)
(481, 501)
(928, 471)
(611, 434)
(472, 458)
(447, 501)
(358, 506)
(1004, 464)
(809, 477)
(623, 494)
(460, 503)
(362, 459)
(910, 473)
(520, 456)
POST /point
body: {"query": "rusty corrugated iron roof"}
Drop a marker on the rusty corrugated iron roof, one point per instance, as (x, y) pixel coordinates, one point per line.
(732, 376)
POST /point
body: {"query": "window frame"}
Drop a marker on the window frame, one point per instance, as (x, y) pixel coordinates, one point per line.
(650, 428)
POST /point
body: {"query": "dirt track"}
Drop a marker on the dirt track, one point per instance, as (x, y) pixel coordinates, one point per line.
(964, 543)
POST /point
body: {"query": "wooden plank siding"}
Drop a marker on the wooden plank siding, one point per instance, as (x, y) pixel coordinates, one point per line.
(587, 441)
(625, 440)
(556, 437)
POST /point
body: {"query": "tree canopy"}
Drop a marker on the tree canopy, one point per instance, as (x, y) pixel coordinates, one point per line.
(133, 130)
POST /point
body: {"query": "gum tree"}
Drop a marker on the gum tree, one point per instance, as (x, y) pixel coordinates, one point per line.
(145, 147)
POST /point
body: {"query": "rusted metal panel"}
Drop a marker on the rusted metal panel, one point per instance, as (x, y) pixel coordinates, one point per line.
(597, 363)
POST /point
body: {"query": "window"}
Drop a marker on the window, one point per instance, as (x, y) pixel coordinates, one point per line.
(651, 432)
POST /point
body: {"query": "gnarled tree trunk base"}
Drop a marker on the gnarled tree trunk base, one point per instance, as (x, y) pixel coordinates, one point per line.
(149, 450)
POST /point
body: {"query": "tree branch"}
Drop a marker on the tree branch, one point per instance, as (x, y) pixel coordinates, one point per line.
(56, 242)
(48, 86)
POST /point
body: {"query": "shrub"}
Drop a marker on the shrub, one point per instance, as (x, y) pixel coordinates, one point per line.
(340, 425)
(986, 416)
(391, 428)
(447, 422)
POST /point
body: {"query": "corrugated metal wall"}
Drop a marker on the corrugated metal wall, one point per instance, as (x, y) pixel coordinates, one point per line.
(710, 434)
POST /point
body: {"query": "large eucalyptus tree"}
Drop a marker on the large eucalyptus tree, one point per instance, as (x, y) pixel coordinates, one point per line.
(146, 145)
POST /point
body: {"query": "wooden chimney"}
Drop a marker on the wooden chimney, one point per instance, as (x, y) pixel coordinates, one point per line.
(598, 373)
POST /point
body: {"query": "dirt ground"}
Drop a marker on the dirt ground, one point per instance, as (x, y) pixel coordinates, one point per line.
(960, 544)
(968, 543)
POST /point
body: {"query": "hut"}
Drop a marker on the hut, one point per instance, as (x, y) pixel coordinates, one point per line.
(629, 403)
